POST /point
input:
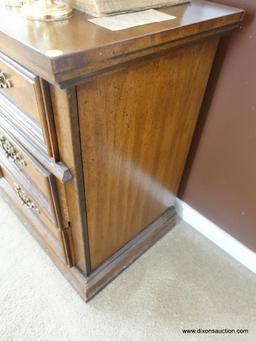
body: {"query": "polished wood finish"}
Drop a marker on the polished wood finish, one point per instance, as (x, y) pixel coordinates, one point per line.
(85, 47)
(105, 128)
(133, 152)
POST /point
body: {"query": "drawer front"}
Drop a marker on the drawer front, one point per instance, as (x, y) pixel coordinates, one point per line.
(13, 151)
(22, 87)
(32, 220)
(26, 96)
(34, 187)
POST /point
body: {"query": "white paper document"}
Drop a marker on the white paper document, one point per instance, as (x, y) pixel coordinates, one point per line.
(124, 21)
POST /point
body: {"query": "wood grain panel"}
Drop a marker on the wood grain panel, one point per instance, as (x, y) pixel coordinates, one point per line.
(136, 127)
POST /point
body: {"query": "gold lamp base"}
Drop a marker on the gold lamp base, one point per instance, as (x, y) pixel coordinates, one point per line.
(47, 10)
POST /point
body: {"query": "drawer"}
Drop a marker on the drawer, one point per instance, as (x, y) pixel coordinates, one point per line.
(13, 151)
(34, 186)
(29, 141)
(34, 224)
(28, 93)
(22, 87)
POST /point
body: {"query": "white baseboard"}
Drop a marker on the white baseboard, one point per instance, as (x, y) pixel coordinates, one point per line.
(221, 238)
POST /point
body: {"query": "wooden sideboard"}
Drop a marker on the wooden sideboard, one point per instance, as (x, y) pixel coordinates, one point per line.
(95, 128)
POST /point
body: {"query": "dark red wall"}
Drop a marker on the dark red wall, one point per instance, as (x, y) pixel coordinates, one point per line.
(220, 177)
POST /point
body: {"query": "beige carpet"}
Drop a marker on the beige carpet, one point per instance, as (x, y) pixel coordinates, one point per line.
(182, 282)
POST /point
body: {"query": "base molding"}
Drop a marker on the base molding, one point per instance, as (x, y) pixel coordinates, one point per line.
(99, 278)
(218, 236)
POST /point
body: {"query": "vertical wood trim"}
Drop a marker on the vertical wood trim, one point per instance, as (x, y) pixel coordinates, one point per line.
(39, 93)
(64, 103)
(49, 126)
(63, 225)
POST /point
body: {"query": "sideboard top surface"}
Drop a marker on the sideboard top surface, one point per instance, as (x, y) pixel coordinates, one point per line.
(80, 43)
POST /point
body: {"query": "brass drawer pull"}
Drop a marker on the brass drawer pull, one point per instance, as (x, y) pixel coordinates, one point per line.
(25, 200)
(10, 151)
(4, 81)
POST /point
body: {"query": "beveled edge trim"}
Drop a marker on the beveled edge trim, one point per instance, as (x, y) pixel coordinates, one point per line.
(81, 74)
(123, 258)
